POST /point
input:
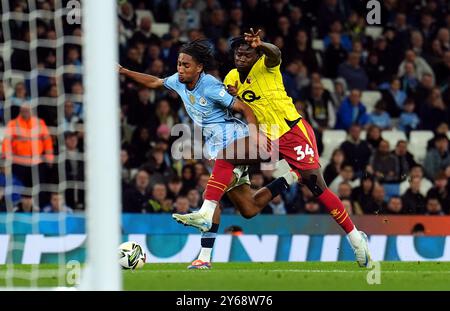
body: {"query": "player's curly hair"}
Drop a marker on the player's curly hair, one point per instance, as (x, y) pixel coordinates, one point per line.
(236, 42)
(202, 51)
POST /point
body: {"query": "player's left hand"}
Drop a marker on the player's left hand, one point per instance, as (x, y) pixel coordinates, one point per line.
(253, 38)
(232, 89)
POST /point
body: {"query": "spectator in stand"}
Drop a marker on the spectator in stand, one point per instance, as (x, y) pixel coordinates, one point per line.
(375, 71)
(320, 108)
(442, 70)
(410, 80)
(434, 207)
(413, 200)
(174, 188)
(26, 205)
(353, 73)
(404, 158)
(361, 195)
(434, 111)
(57, 204)
(187, 18)
(441, 190)
(344, 191)
(438, 157)
(380, 117)
(357, 152)
(384, 164)
(136, 197)
(144, 34)
(441, 129)
(158, 202)
(74, 170)
(12, 197)
(335, 54)
(28, 146)
(409, 120)
(345, 175)
(420, 64)
(303, 51)
(194, 199)
(181, 205)
(275, 207)
(340, 91)
(333, 168)
(373, 137)
(351, 111)
(394, 206)
(394, 98)
(416, 171)
(377, 204)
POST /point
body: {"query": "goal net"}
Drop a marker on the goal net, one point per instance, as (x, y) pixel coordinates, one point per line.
(59, 172)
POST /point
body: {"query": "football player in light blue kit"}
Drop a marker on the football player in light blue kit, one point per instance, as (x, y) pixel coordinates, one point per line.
(210, 106)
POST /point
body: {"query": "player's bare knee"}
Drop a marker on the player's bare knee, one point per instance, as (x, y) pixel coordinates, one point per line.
(247, 214)
(313, 185)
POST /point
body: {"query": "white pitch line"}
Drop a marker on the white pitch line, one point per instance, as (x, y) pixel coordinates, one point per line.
(309, 271)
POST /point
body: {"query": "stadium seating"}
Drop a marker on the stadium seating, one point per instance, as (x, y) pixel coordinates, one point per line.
(373, 31)
(160, 28)
(391, 190)
(332, 139)
(393, 137)
(318, 44)
(418, 144)
(144, 13)
(369, 99)
(327, 84)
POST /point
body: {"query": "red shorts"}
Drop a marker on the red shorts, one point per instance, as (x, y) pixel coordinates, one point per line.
(298, 147)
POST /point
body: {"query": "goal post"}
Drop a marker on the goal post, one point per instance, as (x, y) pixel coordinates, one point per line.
(102, 145)
(42, 247)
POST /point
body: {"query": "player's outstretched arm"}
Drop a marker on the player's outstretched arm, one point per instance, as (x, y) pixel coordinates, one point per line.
(272, 52)
(149, 81)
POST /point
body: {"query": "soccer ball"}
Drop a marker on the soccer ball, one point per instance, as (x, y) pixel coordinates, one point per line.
(131, 255)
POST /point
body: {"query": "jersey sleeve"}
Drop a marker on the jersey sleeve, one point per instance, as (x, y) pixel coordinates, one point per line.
(171, 82)
(229, 79)
(218, 94)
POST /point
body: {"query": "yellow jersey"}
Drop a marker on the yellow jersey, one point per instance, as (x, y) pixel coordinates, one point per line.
(263, 90)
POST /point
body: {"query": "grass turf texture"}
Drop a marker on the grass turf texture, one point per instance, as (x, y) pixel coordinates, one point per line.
(265, 276)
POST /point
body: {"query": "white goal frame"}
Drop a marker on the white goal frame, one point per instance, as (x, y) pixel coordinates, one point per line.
(103, 208)
(102, 149)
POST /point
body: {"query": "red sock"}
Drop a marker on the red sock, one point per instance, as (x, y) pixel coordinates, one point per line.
(336, 209)
(221, 177)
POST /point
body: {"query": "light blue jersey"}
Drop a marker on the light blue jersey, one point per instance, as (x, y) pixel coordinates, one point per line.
(209, 106)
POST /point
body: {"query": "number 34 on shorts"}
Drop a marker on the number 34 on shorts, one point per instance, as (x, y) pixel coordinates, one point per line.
(304, 151)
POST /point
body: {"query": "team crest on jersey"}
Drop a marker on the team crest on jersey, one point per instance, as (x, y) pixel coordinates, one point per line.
(203, 101)
(192, 99)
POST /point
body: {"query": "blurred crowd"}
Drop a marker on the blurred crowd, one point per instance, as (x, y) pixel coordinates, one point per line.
(407, 62)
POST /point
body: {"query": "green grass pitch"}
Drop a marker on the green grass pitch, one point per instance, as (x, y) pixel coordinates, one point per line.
(264, 276)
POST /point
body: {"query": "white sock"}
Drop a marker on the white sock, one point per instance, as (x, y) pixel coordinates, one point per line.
(208, 208)
(205, 254)
(354, 237)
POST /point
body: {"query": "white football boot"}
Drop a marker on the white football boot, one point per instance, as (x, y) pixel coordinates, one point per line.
(195, 219)
(361, 251)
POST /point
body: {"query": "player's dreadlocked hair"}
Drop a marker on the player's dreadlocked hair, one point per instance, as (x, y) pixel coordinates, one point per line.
(202, 51)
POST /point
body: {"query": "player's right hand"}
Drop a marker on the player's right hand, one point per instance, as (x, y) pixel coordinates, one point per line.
(232, 89)
(120, 69)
